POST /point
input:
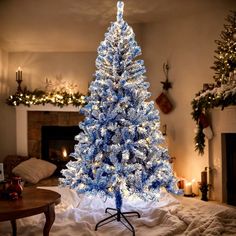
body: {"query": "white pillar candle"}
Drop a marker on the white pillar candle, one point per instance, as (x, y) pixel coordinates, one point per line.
(195, 187)
(188, 188)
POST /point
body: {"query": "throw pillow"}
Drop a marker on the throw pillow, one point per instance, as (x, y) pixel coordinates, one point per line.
(33, 170)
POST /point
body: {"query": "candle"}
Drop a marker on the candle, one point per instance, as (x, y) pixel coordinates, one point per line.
(19, 74)
(181, 184)
(204, 177)
(195, 187)
(188, 188)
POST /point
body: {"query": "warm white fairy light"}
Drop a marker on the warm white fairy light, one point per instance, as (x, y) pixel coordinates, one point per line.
(119, 150)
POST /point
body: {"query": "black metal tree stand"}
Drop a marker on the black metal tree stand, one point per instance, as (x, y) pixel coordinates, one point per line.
(118, 215)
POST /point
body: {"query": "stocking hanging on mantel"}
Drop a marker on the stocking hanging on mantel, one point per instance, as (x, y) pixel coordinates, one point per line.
(206, 126)
(162, 100)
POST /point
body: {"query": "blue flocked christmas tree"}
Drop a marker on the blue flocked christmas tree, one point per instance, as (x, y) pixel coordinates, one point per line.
(119, 151)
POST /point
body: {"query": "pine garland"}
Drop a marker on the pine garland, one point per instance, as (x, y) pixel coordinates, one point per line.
(38, 97)
(218, 96)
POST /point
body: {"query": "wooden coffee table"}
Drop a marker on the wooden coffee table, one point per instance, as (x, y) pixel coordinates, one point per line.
(33, 201)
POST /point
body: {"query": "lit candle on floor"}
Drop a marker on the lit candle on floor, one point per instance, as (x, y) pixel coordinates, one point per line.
(195, 187)
(188, 188)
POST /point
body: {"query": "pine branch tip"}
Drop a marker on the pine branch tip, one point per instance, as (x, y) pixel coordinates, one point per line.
(120, 9)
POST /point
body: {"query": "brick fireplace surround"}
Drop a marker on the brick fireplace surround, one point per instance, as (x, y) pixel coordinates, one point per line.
(37, 119)
(29, 121)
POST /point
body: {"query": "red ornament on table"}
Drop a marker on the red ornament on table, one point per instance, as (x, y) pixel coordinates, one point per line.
(13, 196)
(15, 187)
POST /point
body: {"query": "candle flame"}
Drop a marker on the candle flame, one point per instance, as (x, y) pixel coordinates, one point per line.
(64, 153)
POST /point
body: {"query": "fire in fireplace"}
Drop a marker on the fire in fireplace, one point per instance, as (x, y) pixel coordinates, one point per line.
(57, 143)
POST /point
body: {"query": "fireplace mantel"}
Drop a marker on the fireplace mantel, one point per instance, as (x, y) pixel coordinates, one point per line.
(223, 121)
(22, 123)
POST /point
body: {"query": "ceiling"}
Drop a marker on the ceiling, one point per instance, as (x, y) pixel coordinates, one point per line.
(79, 25)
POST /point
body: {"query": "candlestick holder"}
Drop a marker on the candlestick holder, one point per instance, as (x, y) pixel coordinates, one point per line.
(19, 81)
(204, 190)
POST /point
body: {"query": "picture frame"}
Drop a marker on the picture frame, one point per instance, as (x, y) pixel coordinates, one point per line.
(1, 172)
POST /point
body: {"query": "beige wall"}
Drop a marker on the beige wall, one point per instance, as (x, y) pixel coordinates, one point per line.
(4, 86)
(7, 114)
(187, 42)
(77, 67)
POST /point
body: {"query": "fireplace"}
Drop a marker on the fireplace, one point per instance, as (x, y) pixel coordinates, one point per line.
(29, 123)
(229, 166)
(222, 155)
(57, 142)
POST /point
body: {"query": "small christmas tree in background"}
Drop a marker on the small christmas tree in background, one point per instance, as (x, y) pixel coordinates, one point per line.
(119, 152)
(225, 64)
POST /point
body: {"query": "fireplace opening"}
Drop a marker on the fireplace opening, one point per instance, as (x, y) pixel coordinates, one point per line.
(57, 143)
(229, 167)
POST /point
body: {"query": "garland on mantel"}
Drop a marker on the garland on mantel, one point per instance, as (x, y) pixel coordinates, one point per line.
(38, 97)
(216, 96)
